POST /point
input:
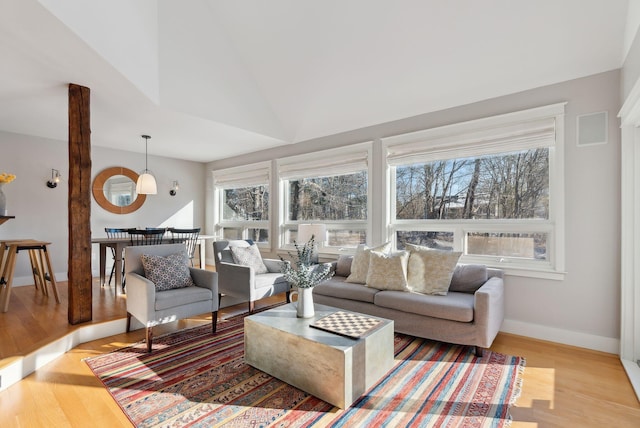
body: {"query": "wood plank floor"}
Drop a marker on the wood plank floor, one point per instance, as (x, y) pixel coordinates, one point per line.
(563, 386)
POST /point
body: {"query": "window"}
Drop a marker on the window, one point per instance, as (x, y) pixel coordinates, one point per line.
(242, 203)
(489, 188)
(330, 187)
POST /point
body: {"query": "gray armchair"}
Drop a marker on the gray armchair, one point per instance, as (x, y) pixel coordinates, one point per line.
(242, 281)
(152, 307)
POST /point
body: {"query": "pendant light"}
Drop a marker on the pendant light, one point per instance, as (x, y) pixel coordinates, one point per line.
(146, 184)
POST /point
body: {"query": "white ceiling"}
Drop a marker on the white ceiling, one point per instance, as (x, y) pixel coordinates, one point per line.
(210, 79)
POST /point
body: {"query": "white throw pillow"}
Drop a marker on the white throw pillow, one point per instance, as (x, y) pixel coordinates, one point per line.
(249, 256)
(388, 271)
(360, 263)
(429, 271)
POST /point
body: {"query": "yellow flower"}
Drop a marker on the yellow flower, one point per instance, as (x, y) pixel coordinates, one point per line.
(6, 178)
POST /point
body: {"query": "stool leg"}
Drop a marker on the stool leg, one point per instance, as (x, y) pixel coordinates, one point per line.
(34, 270)
(9, 269)
(37, 266)
(52, 277)
(43, 271)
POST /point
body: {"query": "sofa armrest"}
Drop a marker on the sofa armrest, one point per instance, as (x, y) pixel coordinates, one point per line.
(205, 279)
(141, 298)
(489, 310)
(274, 265)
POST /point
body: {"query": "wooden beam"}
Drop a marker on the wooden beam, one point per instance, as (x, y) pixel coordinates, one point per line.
(80, 296)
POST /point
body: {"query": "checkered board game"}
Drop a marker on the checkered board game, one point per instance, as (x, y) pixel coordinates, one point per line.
(346, 324)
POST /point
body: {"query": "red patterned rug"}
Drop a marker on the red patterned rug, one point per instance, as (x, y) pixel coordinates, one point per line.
(195, 379)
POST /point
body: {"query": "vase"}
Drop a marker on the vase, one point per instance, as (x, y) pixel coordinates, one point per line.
(304, 305)
(3, 202)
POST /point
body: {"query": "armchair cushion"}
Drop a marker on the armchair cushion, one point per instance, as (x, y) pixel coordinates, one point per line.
(249, 256)
(167, 273)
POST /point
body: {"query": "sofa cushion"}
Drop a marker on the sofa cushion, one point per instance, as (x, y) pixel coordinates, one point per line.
(249, 256)
(168, 272)
(338, 287)
(360, 263)
(429, 270)
(468, 278)
(343, 266)
(388, 271)
(454, 306)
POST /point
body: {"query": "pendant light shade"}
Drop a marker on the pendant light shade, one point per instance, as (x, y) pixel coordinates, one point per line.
(146, 184)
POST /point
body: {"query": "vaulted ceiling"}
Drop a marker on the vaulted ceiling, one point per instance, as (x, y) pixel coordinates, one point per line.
(210, 79)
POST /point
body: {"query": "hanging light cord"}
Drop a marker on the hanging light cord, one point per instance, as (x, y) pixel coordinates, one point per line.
(146, 152)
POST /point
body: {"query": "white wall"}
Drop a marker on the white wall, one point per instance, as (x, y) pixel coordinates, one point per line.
(583, 309)
(41, 213)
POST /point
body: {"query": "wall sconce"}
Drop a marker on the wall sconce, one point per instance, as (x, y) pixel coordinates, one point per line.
(174, 188)
(55, 179)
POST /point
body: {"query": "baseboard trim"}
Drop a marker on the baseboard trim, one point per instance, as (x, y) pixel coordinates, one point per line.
(14, 369)
(633, 373)
(567, 337)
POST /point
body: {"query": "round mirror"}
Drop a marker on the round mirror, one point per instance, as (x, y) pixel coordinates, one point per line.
(120, 190)
(114, 189)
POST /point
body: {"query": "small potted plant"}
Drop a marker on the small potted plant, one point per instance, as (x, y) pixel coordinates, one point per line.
(303, 274)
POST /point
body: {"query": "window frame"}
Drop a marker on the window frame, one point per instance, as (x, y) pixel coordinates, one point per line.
(343, 160)
(257, 174)
(463, 139)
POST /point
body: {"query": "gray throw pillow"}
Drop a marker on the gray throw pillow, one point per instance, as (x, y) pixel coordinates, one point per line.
(468, 278)
(167, 273)
(343, 267)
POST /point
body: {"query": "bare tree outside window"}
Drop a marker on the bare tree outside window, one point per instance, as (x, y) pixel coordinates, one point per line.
(246, 203)
(505, 186)
(339, 197)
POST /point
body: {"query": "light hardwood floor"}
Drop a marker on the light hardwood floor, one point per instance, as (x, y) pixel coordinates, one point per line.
(563, 386)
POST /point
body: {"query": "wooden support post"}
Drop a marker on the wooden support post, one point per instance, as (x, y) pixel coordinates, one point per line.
(79, 205)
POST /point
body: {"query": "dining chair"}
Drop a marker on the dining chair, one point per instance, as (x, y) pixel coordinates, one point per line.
(116, 233)
(146, 237)
(189, 237)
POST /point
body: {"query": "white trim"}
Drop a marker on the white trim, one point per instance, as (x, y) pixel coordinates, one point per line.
(21, 367)
(477, 125)
(526, 129)
(256, 174)
(568, 337)
(342, 160)
(242, 176)
(630, 236)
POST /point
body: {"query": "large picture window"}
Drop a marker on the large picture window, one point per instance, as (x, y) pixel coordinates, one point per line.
(329, 188)
(490, 188)
(242, 201)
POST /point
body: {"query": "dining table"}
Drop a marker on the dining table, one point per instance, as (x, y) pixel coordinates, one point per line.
(119, 244)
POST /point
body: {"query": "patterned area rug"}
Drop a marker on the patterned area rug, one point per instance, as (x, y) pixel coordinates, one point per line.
(195, 379)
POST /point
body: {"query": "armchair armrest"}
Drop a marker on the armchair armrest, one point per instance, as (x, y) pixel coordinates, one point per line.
(230, 274)
(274, 265)
(489, 310)
(141, 297)
(205, 279)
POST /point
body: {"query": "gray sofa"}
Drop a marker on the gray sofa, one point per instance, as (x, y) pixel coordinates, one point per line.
(470, 314)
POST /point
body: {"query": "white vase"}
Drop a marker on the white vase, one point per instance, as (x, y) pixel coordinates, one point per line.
(304, 305)
(3, 202)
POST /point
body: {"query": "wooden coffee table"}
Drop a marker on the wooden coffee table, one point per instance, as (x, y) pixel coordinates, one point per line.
(334, 368)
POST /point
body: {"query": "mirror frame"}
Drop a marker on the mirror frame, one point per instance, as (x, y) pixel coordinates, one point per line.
(101, 199)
